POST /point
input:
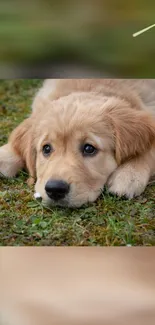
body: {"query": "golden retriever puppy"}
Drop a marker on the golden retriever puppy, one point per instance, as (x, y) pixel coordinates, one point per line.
(83, 134)
(74, 286)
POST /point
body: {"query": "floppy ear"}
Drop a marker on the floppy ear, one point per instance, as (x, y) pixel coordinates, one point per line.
(22, 142)
(134, 132)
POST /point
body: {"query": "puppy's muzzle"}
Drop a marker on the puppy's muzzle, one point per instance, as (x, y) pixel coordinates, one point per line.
(57, 189)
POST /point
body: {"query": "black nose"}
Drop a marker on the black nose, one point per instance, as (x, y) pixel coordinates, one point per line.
(56, 189)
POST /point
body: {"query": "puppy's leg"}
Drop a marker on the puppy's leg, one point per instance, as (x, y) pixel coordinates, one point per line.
(10, 162)
(131, 178)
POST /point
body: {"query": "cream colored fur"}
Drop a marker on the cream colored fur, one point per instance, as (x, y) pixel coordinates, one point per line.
(115, 116)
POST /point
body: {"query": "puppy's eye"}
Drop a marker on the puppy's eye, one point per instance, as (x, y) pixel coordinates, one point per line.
(89, 150)
(47, 149)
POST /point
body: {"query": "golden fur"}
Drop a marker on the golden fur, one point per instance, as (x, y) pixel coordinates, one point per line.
(117, 117)
(74, 286)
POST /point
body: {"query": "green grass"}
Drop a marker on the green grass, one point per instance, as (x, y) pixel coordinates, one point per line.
(24, 221)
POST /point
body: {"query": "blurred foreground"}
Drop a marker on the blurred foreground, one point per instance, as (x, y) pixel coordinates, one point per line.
(77, 286)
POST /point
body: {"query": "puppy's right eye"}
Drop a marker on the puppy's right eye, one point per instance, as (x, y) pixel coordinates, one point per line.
(47, 149)
(89, 150)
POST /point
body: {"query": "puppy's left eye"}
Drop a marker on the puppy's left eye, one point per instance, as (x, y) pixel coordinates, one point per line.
(47, 149)
(89, 150)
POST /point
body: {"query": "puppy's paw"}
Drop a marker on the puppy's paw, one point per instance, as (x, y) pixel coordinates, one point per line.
(127, 181)
(10, 163)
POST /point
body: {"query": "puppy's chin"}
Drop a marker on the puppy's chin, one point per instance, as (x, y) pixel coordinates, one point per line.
(72, 202)
(51, 203)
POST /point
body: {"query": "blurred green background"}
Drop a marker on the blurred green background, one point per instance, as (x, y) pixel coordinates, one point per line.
(42, 38)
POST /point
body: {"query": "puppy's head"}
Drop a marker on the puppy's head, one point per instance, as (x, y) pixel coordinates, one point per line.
(76, 142)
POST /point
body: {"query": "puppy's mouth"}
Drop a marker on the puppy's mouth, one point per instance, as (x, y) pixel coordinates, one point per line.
(60, 203)
(50, 203)
(68, 201)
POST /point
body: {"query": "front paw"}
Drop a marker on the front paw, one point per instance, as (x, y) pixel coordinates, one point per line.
(10, 162)
(128, 182)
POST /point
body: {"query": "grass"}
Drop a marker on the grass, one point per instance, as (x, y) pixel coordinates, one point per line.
(24, 221)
